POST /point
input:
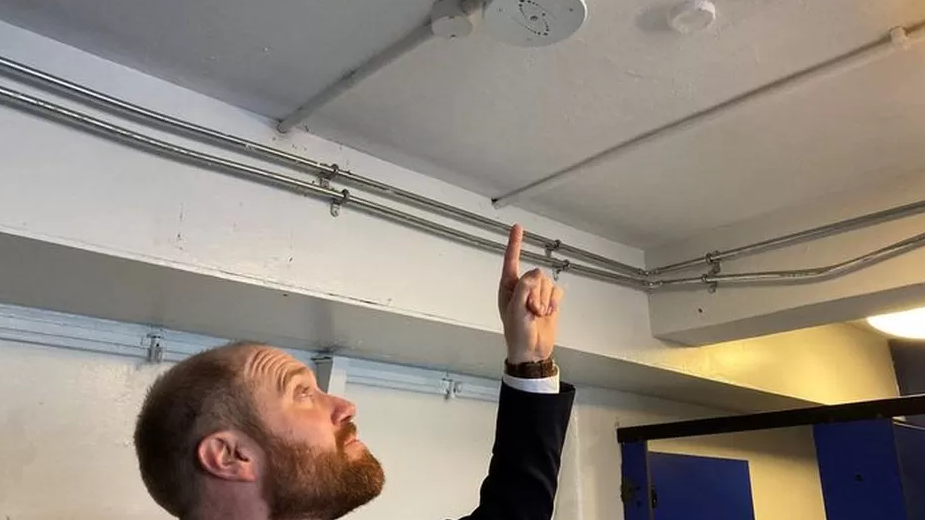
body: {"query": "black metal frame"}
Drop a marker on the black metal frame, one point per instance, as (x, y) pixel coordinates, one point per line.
(879, 409)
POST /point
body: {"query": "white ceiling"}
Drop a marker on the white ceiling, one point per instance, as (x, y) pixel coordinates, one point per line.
(492, 118)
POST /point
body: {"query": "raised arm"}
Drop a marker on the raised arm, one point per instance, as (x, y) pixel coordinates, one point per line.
(534, 407)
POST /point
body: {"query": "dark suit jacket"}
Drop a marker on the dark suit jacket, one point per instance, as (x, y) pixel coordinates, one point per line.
(524, 471)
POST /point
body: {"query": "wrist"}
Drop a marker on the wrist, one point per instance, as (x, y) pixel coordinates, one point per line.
(526, 356)
(531, 369)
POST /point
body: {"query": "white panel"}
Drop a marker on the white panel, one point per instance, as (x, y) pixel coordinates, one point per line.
(67, 420)
(69, 331)
(435, 452)
(413, 379)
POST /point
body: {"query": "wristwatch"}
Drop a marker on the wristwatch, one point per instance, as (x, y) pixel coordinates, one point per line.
(532, 370)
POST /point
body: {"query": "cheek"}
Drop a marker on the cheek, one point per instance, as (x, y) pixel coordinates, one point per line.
(307, 427)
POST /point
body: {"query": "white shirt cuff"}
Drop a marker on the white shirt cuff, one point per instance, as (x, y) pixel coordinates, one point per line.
(546, 385)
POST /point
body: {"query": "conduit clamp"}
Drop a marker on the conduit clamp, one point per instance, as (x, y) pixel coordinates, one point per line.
(325, 178)
(336, 203)
(560, 268)
(552, 246)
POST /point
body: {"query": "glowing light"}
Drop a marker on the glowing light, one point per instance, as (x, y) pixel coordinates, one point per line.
(907, 324)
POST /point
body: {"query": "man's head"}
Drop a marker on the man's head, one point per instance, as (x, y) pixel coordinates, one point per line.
(246, 426)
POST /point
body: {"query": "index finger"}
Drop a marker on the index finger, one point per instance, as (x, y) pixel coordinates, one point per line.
(511, 270)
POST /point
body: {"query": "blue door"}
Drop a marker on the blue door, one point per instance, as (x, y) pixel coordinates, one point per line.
(860, 472)
(910, 446)
(686, 487)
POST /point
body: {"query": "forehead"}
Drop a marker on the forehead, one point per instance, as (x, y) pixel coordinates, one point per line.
(274, 368)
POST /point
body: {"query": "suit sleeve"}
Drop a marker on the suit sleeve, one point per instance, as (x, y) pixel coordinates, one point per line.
(523, 475)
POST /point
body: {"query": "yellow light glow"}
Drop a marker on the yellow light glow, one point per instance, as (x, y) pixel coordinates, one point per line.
(906, 324)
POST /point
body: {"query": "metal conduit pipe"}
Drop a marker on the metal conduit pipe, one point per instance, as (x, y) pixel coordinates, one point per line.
(812, 274)
(86, 122)
(398, 49)
(414, 39)
(200, 133)
(816, 233)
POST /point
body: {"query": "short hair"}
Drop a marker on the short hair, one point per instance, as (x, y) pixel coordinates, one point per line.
(199, 396)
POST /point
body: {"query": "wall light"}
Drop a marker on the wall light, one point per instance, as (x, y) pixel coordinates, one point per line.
(907, 324)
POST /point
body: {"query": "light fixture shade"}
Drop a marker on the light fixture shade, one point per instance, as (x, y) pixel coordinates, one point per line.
(906, 324)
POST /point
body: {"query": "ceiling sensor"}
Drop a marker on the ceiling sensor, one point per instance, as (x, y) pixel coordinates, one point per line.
(692, 15)
(523, 23)
(533, 23)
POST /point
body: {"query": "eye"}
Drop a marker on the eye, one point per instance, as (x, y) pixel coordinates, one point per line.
(304, 392)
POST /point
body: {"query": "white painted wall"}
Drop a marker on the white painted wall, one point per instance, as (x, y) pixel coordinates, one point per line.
(63, 186)
(67, 423)
(697, 317)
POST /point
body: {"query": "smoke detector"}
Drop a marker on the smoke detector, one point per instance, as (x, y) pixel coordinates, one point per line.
(692, 15)
(533, 23)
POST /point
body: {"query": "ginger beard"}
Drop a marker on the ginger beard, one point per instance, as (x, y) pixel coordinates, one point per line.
(305, 482)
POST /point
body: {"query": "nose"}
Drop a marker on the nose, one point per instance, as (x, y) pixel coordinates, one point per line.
(343, 410)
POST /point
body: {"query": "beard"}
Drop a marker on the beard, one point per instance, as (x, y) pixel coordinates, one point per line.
(305, 482)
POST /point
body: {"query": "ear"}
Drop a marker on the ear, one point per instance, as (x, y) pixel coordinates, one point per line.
(228, 455)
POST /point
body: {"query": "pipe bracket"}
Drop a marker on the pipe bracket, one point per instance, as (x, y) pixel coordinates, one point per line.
(900, 37)
(561, 268)
(338, 202)
(711, 284)
(552, 246)
(713, 259)
(325, 177)
(155, 351)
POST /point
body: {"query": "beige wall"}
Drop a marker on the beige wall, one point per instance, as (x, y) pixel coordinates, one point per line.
(829, 364)
(784, 474)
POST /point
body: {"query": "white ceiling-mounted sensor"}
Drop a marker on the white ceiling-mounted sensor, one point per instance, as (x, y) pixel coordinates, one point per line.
(691, 16)
(533, 23)
(449, 20)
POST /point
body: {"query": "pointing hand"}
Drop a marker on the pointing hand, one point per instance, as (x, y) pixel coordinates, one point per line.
(529, 307)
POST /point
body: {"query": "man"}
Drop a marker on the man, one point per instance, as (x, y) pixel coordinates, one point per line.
(243, 432)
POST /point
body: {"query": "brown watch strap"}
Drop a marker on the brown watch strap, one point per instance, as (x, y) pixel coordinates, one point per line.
(532, 370)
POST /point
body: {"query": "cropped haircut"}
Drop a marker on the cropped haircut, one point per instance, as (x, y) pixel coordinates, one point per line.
(197, 397)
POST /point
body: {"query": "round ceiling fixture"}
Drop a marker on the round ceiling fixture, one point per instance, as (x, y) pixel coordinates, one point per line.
(907, 324)
(449, 20)
(533, 23)
(692, 15)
